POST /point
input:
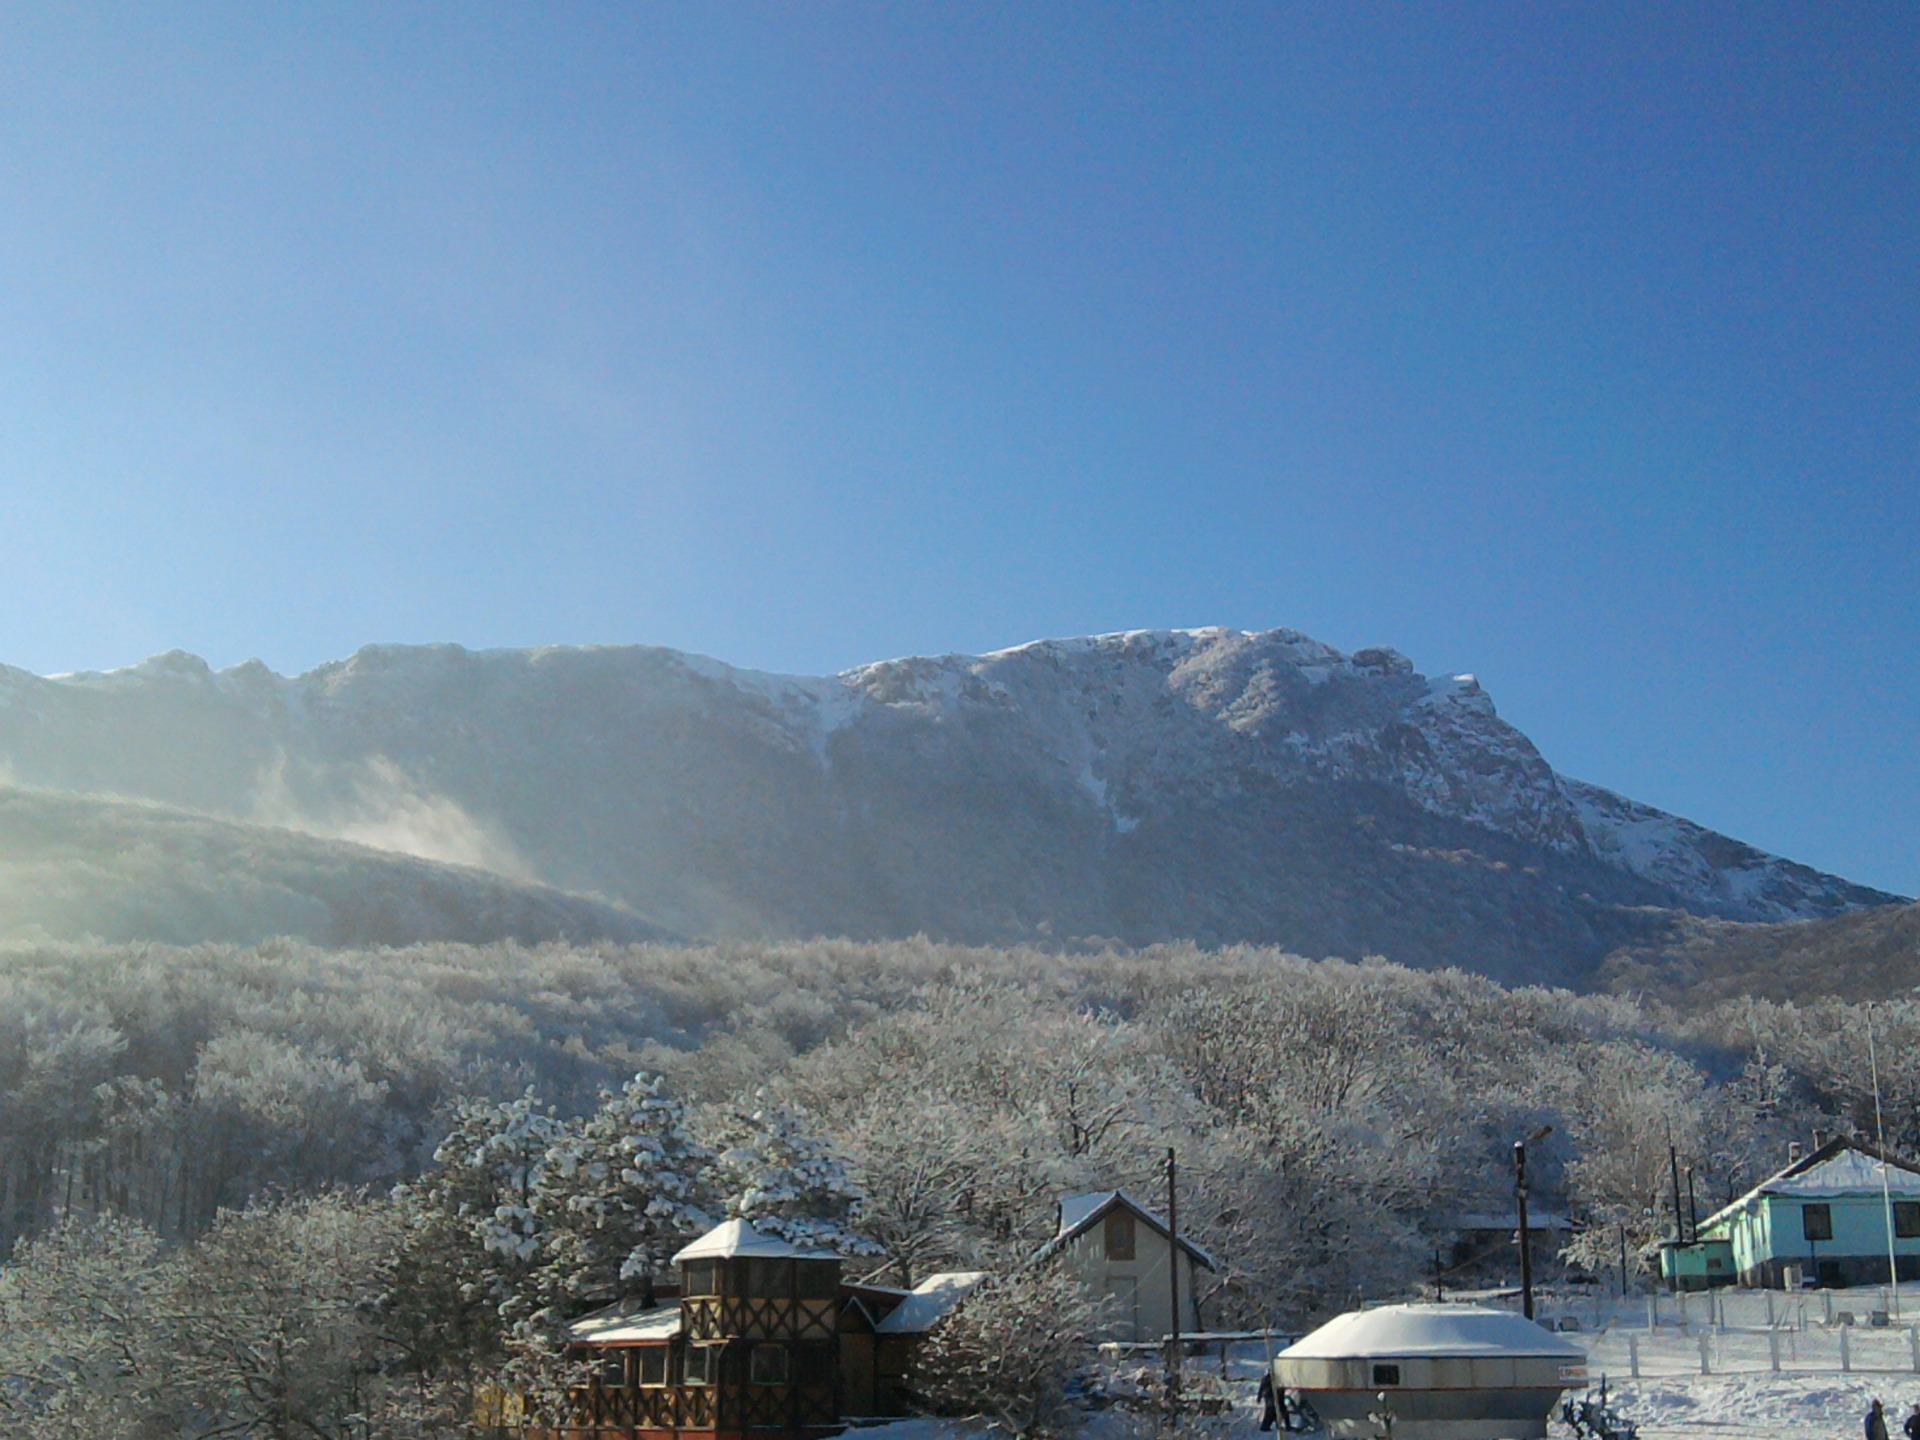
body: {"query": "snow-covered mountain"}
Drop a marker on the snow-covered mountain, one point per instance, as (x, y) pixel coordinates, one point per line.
(1208, 784)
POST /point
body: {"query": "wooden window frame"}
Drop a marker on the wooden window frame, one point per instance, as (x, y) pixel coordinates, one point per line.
(1816, 1221)
(775, 1359)
(709, 1367)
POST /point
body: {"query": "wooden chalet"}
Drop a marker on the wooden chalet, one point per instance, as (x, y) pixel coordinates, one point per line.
(766, 1342)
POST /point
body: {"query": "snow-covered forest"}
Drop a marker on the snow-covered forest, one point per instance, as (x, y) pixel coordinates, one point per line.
(405, 1163)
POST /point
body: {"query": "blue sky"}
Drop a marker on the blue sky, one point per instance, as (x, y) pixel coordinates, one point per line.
(1574, 345)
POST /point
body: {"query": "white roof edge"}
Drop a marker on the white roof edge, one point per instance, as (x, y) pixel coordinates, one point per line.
(739, 1238)
(1431, 1329)
(1108, 1198)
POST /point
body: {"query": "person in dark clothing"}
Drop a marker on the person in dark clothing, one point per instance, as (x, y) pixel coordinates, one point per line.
(1912, 1425)
(1270, 1413)
(1877, 1422)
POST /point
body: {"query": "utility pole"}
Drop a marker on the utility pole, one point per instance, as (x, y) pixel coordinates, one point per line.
(1520, 1202)
(1623, 1259)
(1679, 1234)
(1173, 1276)
(1693, 1211)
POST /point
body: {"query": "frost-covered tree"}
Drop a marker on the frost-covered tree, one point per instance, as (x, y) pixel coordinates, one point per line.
(76, 1319)
(613, 1197)
(773, 1168)
(916, 1161)
(1009, 1353)
(470, 1240)
(271, 1326)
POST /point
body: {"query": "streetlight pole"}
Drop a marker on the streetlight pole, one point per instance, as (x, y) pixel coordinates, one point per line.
(1174, 1365)
(1520, 1201)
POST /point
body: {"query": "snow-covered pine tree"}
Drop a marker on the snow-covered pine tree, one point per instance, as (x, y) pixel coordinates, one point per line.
(615, 1196)
(471, 1239)
(774, 1170)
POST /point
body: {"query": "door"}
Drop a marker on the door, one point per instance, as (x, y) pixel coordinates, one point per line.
(1123, 1306)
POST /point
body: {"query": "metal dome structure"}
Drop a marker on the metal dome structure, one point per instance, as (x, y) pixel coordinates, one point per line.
(1443, 1372)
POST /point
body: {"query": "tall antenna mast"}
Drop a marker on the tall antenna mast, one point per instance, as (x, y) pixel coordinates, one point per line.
(1886, 1188)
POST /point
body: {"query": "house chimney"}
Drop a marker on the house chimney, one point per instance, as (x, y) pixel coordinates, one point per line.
(1793, 1152)
(1819, 1138)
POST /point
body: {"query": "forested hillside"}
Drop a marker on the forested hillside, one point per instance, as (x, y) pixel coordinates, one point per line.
(1314, 1100)
(1696, 962)
(200, 1147)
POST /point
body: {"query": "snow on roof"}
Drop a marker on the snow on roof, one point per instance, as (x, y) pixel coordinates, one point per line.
(1437, 1329)
(1078, 1214)
(1850, 1171)
(929, 1301)
(737, 1238)
(1510, 1220)
(618, 1325)
(1839, 1167)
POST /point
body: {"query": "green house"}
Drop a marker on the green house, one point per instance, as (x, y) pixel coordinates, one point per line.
(1698, 1266)
(1823, 1220)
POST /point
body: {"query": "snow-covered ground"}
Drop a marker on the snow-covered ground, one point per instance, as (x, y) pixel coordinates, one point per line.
(1828, 1372)
(1780, 1407)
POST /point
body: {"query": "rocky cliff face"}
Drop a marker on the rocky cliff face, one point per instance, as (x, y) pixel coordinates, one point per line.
(1211, 784)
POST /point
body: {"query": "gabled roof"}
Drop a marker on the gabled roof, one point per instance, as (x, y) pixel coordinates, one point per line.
(1080, 1213)
(1839, 1167)
(929, 1302)
(737, 1238)
(622, 1325)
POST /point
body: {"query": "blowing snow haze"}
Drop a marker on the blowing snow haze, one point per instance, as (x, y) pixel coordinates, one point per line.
(1212, 785)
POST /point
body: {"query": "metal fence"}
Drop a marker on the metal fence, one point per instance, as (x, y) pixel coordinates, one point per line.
(1726, 1332)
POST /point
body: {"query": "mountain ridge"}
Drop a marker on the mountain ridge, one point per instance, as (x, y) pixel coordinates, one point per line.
(1211, 784)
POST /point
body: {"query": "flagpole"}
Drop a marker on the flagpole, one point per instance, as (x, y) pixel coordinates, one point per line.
(1886, 1189)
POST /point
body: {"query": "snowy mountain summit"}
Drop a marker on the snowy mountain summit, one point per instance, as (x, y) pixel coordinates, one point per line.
(1214, 785)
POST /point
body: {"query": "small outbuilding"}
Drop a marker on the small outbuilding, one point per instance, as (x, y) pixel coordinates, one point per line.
(1443, 1372)
(1121, 1250)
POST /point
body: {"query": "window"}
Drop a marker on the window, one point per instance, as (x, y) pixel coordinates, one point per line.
(818, 1279)
(1816, 1222)
(769, 1277)
(699, 1277)
(1386, 1374)
(767, 1365)
(1120, 1235)
(611, 1369)
(1906, 1219)
(703, 1364)
(653, 1365)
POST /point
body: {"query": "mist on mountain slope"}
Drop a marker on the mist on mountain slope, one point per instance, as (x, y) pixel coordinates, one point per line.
(79, 868)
